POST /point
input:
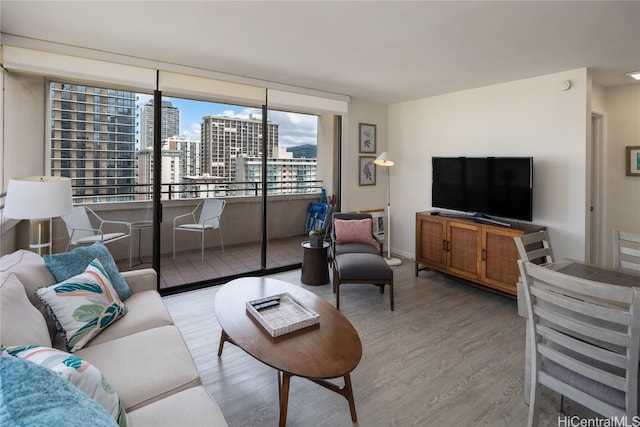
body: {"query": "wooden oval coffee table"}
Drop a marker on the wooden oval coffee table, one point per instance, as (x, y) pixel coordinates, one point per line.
(328, 350)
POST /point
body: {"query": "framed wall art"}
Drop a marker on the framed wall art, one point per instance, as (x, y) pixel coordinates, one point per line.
(633, 161)
(367, 170)
(367, 138)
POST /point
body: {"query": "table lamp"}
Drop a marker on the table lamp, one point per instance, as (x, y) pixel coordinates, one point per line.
(383, 160)
(38, 199)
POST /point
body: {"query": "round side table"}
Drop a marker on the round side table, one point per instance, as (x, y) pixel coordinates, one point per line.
(140, 225)
(315, 264)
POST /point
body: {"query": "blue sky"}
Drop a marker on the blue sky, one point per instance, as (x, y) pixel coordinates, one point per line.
(294, 129)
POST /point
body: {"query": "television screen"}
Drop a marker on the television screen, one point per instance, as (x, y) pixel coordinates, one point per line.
(500, 186)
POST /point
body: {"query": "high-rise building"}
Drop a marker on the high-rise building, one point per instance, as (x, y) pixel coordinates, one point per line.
(225, 138)
(170, 123)
(285, 175)
(180, 158)
(93, 140)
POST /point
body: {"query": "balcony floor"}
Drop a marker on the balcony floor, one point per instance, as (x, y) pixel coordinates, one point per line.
(188, 266)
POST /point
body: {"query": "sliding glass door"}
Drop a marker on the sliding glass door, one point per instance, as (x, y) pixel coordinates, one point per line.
(261, 169)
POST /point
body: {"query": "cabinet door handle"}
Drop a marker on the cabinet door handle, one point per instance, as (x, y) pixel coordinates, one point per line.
(484, 254)
(444, 245)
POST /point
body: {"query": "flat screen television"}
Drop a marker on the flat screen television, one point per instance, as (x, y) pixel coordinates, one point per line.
(499, 186)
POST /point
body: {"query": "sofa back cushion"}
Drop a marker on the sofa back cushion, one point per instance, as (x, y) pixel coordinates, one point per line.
(20, 322)
(31, 271)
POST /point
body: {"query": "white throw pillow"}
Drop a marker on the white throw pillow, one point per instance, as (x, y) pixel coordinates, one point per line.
(20, 322)
(83, 305)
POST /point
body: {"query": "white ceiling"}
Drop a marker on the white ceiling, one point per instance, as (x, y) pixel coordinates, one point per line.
(383, 51)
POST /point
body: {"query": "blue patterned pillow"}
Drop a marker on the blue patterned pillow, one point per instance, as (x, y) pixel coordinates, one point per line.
(69, 264)
(78, 372)
(83, 305)
(36, 396)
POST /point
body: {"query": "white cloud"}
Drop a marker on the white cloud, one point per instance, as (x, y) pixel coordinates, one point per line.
(295, 129)
(193, 131)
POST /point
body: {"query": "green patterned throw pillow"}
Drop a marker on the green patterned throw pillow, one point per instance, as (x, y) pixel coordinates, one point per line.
(83, 305)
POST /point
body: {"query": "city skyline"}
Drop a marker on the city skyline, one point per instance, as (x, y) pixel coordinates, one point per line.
(295, 128)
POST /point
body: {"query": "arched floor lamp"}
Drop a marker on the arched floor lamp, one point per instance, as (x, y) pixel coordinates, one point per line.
(383, 160)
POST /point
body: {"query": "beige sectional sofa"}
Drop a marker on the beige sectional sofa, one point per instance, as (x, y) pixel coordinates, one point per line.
(142, 355)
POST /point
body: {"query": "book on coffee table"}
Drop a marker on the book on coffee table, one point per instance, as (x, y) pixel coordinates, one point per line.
(281, 314)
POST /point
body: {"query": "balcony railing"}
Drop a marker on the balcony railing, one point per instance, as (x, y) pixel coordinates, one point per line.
(191, 190)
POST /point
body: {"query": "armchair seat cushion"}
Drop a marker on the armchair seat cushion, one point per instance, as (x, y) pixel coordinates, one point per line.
(363, 248)
(363, 267)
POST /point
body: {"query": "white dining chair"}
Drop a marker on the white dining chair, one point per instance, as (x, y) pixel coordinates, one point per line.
(584, 341)
(626, 250)
(209, 219)
(535, 247)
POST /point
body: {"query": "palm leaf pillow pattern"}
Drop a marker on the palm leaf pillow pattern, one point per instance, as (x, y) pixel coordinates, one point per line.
(83, 305)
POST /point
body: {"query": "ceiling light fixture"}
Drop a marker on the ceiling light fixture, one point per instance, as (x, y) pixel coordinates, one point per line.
(634, 74)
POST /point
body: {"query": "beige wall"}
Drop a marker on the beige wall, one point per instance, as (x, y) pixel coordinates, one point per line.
(354, 196)
(622, 129)
(531, 117)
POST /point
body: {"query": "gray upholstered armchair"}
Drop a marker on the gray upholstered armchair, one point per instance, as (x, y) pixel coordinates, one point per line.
(357, 254)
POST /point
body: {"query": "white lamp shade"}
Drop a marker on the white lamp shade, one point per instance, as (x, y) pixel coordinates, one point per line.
(38, 197)
(383, 160)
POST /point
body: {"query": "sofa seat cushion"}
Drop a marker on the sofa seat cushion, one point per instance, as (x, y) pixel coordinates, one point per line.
(192, 407)
(78, 372)
(146, 311)
(83, 305)
(30, 269)
(33, 395)
(20, 322)
(146, 366)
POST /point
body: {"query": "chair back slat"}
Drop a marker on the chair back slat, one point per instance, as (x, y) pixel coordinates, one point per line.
(585, 336)
(587, 370)
(598, 351)
(626, 250)
(535, 247)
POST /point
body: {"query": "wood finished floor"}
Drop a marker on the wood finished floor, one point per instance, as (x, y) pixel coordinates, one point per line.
(449, 355)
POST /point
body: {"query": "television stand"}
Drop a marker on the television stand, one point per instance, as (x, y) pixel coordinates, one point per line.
(470, 248)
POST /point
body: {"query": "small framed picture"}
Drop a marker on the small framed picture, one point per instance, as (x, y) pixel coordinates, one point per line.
(633, 161)
(367, 138)
(367, 170)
